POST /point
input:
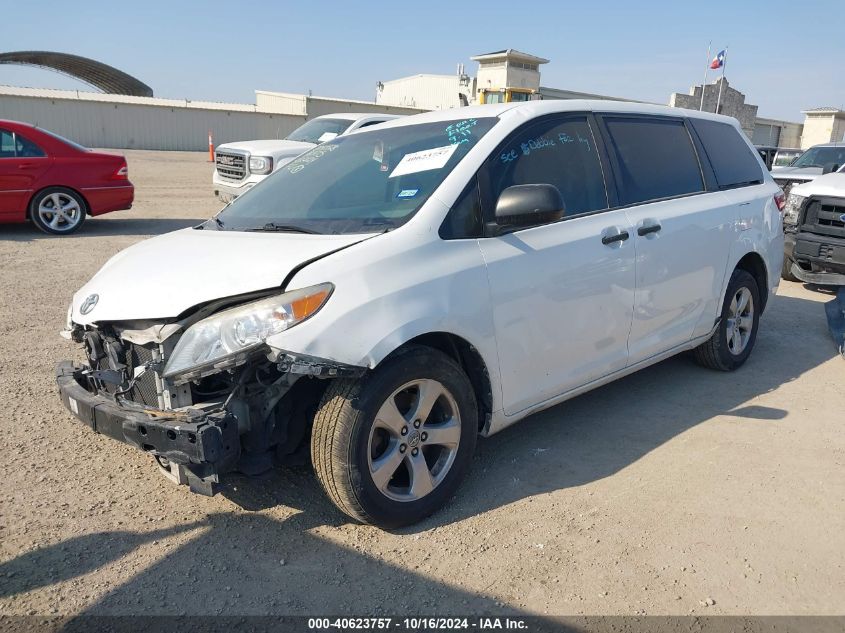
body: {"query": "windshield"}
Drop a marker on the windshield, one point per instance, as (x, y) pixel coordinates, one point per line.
(366, 182)
(784, 159)
(314, 129)
(821, 156)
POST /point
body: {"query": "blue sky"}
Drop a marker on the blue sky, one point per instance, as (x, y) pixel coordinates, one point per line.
(785, 56)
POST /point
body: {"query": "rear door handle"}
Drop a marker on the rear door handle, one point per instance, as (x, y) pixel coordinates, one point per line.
(26, 165)
(654, 227)
(612, 235)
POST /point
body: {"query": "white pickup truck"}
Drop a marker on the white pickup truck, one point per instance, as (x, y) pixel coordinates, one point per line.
(241, 165)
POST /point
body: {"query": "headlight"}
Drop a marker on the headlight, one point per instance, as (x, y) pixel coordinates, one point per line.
(228, 337)
(793, 208)
(260, 165)
(66, 333)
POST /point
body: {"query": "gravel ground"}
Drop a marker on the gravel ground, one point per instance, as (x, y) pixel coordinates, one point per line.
(673, 491)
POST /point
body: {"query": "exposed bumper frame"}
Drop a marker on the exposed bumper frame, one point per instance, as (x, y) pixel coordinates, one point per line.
(206, 444)
(827, 272)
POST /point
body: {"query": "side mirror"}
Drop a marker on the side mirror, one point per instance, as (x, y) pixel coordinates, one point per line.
(528, 205)
(829, 168)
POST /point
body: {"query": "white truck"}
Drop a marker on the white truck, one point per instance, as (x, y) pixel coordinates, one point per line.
(814, 231)
(241, 165)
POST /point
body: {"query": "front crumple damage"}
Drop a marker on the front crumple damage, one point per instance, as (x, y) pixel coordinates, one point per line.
(246, 415)
(199, 444)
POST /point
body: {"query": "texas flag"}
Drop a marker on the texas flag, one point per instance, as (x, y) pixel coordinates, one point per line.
(718, 61)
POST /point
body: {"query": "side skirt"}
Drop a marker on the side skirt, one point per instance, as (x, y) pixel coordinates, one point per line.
(499, 420)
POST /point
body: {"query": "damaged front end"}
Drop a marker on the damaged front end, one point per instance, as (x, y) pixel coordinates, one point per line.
(245, 410)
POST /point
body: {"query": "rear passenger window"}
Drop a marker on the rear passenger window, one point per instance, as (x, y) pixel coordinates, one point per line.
(555, 152)
(732, 160)
(27, 149)
(655, 159)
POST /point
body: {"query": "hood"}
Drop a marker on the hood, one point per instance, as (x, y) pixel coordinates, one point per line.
(164, 276)
(829, 185)
(796, 173)
(274, 148)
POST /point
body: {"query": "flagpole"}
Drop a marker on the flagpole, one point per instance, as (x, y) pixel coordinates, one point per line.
(706, 67)
(724, 65)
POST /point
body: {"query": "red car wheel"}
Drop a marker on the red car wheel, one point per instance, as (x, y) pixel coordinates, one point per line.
(57, 210)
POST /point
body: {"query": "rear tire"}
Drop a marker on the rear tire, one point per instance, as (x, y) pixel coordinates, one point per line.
(732, 342)
(57, 210)
(374, 463)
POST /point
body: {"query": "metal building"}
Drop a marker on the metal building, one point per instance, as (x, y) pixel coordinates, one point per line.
(125, 122)
(102, 76)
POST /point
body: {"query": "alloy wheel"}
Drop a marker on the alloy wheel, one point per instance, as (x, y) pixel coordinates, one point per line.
(740, 322)
(60, 211)
(414, 440)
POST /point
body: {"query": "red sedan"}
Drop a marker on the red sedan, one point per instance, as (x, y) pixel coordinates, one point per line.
(56, 183)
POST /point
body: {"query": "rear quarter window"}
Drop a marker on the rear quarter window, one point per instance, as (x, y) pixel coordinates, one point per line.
(27, 149)
(654, 158)
(733, 161)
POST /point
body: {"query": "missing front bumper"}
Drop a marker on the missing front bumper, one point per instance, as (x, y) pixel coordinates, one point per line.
(818, 259)
(204, 444)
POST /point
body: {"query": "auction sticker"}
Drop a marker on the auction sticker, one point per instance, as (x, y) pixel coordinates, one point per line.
(425, 160)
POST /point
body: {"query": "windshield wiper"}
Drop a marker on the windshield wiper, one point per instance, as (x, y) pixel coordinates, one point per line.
(283, 228)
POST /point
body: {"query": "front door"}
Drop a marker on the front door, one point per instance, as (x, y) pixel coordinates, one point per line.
(562, 297)
(22, 163)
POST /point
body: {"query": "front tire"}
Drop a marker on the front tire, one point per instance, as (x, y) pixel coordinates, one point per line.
(392, 447)
(57, 210)
(732, 342)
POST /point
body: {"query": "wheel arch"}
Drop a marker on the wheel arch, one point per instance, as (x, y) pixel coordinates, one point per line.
(754, 264)
(470, 360)
(43, 189)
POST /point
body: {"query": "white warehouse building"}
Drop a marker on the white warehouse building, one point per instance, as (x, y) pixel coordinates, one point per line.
(429, 92)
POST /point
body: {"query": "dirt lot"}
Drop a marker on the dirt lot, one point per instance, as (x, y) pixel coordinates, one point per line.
(659, 494)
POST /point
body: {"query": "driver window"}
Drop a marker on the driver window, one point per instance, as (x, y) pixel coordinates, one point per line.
(555, 152)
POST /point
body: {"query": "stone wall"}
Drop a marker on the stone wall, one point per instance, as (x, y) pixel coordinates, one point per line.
(732, 103)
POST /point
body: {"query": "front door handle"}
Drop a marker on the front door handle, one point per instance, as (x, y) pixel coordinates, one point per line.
(614, 235)
(27, 165)
(649, 228)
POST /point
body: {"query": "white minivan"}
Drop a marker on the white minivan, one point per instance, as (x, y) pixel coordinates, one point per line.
(385, 298)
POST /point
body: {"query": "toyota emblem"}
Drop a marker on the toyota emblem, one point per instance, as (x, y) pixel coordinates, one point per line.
(89, 303)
